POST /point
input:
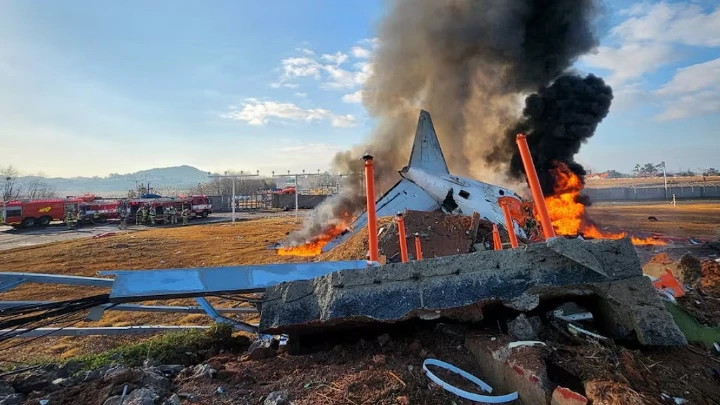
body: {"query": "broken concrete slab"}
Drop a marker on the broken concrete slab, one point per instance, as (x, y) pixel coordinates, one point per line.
(524, 328)
(458, 287)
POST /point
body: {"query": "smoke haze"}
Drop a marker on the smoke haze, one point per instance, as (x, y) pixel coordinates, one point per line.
(470, 63)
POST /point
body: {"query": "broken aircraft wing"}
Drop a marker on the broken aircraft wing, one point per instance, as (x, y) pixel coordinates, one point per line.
(405, 195)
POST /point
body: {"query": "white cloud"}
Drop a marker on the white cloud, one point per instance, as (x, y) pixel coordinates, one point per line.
(300, 67)
(306, 51)
(301, 95)
(373, 42)
(286, 85)
(257, 112)
(681, 23)
(630, 61)
(693, 78)
(355, 97)
(337, 58)
(694, 90)
(360, 52)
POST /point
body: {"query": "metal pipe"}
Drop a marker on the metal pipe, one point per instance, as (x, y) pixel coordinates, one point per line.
(371, 213)
(403, 240)
(509, 223)
(418, 248)
(497, 243)
(534, 183)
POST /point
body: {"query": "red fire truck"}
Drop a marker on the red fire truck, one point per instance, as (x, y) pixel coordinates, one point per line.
(199, 205)
(29, 213)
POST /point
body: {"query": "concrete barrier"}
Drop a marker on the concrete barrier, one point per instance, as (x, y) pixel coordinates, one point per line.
(304, 201)
(652, 193)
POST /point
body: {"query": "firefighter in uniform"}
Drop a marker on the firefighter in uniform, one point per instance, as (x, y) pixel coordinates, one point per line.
(185, 214)
(70, 220)
(96, 217)
(138, 216)
(152, 215)
(145, 214)
(123, 219)
(173, 215)
(79, 218)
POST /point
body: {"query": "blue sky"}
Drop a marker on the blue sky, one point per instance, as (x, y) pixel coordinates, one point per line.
(102, 87)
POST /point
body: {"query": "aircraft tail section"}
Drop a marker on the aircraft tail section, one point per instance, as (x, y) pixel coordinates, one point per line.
(426, 152)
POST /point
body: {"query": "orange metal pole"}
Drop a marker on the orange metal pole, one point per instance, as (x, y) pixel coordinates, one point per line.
(401, 235)
(534, 183)
(509, 224)
(497, 243)
(418, 248)
(371, 213)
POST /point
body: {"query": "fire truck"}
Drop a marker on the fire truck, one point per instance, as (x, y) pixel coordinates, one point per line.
(199, 206)
(29, 213)
(98, 209)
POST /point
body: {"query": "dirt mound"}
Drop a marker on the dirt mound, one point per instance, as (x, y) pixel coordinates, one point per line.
(661, 258)
(440, 235)
(710, 279)
(356, 247)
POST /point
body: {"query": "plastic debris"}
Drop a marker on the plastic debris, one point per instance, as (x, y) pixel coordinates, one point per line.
(465, 394)
(576, 329)
(668, 282)
(522, 343)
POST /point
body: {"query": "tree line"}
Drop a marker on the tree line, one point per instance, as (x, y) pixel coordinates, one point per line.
(14, 188)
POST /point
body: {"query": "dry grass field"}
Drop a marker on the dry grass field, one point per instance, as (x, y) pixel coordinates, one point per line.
(697, 219)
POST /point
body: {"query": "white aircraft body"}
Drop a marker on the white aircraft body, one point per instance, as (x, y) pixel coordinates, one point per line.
(427, 185)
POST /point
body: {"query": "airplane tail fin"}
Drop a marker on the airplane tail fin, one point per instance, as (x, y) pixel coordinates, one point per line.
(426, 152)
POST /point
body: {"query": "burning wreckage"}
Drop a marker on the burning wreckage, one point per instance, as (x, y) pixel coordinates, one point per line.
(306, 300)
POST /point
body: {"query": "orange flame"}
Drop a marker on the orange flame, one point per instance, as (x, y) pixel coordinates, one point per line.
(314, 246)
(567, 213)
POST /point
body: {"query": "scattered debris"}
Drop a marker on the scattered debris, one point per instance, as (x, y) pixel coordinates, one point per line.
(462, 393)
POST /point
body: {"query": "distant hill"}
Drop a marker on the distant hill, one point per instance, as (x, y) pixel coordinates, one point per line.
(178, 177)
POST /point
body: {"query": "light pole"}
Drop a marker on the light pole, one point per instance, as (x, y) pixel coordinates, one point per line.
(297, 189)
(665, 178)
(234, 176)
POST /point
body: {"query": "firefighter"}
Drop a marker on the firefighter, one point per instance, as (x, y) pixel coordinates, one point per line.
(138, 216)
(145, 213)
(70, 220)
(96, 217)
(123, 219)
(79, 218)
(173, 215)
(185, 214)
(152, 215)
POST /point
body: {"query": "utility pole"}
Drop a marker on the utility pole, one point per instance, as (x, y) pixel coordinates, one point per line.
(297, 189)
(233, 177)
(665, 178)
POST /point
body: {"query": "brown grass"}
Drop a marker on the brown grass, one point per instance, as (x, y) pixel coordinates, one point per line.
(686, 219)
(195, 246)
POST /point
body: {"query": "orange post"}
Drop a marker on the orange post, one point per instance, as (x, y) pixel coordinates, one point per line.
(509, 223)
(371, 213)
(401, 235)
(534, 183)
(497, 243)
(418, 248)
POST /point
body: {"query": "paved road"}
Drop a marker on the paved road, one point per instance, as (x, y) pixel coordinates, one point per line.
(11, 238)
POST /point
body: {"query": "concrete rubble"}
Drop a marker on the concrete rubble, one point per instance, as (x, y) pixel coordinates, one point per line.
(460, 287)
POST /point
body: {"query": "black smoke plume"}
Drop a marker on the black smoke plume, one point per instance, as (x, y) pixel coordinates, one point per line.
(557, 120)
